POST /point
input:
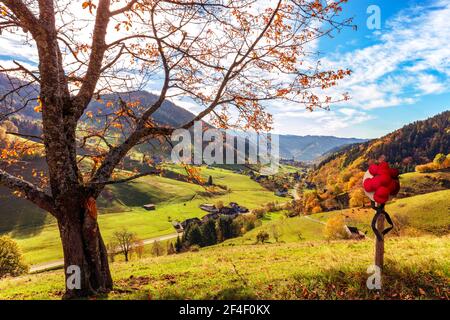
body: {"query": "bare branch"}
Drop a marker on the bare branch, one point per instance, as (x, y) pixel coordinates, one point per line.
(30, 191)
(28, 136)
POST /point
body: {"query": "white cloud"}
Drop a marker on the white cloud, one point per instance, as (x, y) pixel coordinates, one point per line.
(429, 84)
(319, 122)
(410, 59)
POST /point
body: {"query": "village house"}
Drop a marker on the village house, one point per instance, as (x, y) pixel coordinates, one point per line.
(149, 207)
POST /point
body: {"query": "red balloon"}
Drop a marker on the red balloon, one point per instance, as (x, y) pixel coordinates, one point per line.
(394, 187)
(383, 192)
(373, 169)
(379, 199)
(385, 180)
(383, 165)
(368, 186)
(376, 183)
(394, 172)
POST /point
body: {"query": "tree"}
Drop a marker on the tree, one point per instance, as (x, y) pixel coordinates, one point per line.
(178, 245)
(262, 237)
(210, 181)
(225, 228)
(193, 235)
(209, 233)
(276, 232)
(11, 259)
(357, 198)
(221, 54)
(138, 247)
(171, 248)
(335, 228)
(125, 241)
(439, 159)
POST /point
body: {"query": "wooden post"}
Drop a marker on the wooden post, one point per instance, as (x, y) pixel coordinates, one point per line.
(379, 245)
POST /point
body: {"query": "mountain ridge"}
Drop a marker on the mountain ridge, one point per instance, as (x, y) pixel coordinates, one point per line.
(300, 148)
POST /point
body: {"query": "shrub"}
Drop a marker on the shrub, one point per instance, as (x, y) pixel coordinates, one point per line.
(335, 228)
(11, 259)
(111, 249)
(157, 249)
(311, 203)
(271, 206)
(441, 161)
(259, 212)
(428, 167)
(262, 237)
(138, 247)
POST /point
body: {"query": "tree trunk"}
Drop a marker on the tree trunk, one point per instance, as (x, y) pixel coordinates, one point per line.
(85, 257)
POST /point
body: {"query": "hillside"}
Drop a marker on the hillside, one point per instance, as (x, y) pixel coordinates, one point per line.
(413, 144)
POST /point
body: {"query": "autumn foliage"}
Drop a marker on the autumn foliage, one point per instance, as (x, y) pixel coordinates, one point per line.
(441, 161)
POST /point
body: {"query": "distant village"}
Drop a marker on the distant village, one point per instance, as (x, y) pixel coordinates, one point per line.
(232, 210)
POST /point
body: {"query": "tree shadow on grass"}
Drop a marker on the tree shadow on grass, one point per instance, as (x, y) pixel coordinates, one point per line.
(398, 282)
(20, 217)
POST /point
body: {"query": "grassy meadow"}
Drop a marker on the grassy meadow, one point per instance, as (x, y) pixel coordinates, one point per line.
(416, 268)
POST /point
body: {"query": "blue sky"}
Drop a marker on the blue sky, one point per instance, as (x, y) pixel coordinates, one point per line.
(401, 72)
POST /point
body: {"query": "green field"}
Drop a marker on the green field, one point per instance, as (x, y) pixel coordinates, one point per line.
(174, 200)
(415, 268)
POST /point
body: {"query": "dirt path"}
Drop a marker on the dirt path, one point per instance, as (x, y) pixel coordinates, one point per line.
(60, 263)
(313, 220)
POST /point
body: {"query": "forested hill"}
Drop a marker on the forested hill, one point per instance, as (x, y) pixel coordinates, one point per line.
(413, 144)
